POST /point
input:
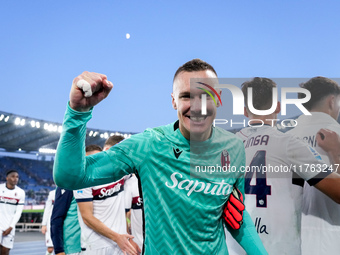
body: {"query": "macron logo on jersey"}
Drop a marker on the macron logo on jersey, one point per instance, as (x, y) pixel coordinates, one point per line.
(177, 152)
(214, 188)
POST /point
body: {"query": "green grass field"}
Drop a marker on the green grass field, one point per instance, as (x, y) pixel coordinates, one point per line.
(33, 211)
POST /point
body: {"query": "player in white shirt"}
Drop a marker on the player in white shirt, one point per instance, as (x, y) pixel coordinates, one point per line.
(321, 215)
(12, 199)
(102, 217)
(273, 196)
(46, 222)
(134, 202)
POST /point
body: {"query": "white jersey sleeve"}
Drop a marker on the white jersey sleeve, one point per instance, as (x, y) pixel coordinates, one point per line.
(83, 195)
(48, 208)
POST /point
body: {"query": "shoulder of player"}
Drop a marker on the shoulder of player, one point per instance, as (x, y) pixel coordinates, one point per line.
(19, 189)
(147, 134)
(159, 132)
(334, 127)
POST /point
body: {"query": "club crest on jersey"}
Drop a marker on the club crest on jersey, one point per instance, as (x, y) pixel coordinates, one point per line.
(225, 159)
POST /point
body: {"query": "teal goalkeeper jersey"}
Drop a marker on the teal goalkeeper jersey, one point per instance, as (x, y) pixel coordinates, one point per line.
(184, 185)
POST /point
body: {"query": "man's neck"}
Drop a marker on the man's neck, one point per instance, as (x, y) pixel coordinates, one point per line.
(323, 110)
(196, 137)
(8, 186)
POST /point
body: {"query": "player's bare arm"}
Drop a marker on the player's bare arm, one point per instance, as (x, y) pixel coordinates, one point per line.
(86, 211)
(88, 89)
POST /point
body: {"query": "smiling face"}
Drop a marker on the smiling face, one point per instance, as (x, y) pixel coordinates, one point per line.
(187, 101)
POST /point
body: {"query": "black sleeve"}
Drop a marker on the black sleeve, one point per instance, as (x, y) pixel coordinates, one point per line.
(62, 202)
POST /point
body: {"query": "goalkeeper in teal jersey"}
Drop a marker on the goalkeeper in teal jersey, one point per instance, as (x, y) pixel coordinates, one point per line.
(183, 202)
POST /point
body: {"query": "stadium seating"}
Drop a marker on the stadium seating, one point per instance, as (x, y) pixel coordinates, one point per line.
(35, 177)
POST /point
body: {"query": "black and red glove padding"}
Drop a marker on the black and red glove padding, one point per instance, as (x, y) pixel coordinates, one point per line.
(233, 210)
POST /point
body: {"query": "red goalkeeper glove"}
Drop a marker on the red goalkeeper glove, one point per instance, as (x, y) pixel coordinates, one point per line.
(233, 210)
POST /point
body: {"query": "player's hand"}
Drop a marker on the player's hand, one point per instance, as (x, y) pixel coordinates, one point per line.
(135, 245)
(43, 230)
(233, 210)
(124, 244)
(7, 231)
(88, 89)
(328, 140)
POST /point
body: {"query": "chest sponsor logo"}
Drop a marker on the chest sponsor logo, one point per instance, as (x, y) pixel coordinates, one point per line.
(108, 191)
(9, 200)
(214, 188)
(137, 203)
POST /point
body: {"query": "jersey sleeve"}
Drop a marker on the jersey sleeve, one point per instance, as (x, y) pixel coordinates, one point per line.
(83, 195)
(306, 162)
(48, 208)
(72, 170)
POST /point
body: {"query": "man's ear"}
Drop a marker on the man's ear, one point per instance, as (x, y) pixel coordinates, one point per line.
(278, 108)
(174, 105)
(331, 102)
(245, 112)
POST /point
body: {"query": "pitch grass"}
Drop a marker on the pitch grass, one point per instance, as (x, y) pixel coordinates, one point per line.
(33, 211)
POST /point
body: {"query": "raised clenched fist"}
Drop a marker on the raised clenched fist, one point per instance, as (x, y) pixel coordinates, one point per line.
(88, 89)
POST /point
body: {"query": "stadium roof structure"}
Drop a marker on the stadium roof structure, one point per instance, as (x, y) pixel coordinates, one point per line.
(30, 135)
